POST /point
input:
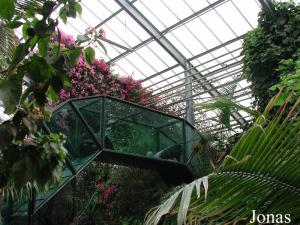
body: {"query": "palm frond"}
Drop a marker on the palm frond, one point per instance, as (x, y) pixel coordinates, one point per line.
(8, 41)
(262, 173)
(28, 5)
(226, 104)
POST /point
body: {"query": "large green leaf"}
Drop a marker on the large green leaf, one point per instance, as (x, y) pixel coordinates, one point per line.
(89, 55)
(8, 41)
(155, 217)
(10, 92)
(7, 9)
(38, 70)
(73, 55)
(43, 44)
(82, 38)
(48, 7)
(19, 53)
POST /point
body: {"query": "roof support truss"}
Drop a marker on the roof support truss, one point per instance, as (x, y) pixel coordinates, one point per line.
(174, 52)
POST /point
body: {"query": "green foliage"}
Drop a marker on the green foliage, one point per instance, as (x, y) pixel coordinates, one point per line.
(91, 36)
(45, 69)
(86, 200)
(8, 41)
(27, 156)
(261, 173)
(39, 161)
(7, 9)
(90, 55)
(226, 104)
(73, 55)
(276, 38)
(137, 190)
(71, 9)
(289, 81)
(10, 92)
(44, 73)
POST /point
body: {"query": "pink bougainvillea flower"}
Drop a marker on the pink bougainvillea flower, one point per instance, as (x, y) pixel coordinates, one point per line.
(100, 65)
(28, 140)
(88, 80)
(99, 186)
(107, 192)
(66, 39)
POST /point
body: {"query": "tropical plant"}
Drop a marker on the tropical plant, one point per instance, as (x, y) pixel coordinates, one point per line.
(8, 41)
(225, 104)
(290, 79)
(276, 37)
(137, 189)
(28, 157)
(99, 78)
(261, 173)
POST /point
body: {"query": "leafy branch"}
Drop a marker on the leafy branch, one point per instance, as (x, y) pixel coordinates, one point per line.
(32, 77)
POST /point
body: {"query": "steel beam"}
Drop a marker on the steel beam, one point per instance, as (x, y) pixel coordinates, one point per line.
(172, 50)
(174, 26)
(189, 107)
(204, 53)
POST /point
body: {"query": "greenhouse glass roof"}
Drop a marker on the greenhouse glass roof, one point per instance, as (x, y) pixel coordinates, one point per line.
(152, 39)
(186, 51)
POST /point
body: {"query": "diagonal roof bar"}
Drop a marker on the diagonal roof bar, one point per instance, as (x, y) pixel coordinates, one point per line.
(206, 69)
(181, 22)
(169, 47)
(197, 56)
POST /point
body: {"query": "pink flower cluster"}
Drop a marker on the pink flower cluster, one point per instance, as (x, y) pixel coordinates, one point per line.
(106, 191)
(65, 39)
(99, 186)
(98, 79)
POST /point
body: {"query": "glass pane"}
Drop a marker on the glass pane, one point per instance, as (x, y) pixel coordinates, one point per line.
(139, 131)
(197, 152)
(79, 142)
(69, 204)
(171, 141)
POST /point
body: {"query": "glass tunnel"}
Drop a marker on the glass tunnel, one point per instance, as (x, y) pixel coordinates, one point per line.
(109, 130)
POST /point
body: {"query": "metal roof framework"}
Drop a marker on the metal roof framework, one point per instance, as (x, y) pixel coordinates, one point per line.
(186, 51)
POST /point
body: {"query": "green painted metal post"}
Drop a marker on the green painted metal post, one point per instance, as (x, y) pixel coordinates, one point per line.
(103, 121)
(157, 131)
(184, 140)
(89, 130)
(31, 206)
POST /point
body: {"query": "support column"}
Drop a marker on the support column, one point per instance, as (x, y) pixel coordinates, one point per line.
(189, 111)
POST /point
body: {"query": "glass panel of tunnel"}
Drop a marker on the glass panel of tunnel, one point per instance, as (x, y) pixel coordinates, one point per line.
(74, 121)
(197, 151)
(136, 130)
